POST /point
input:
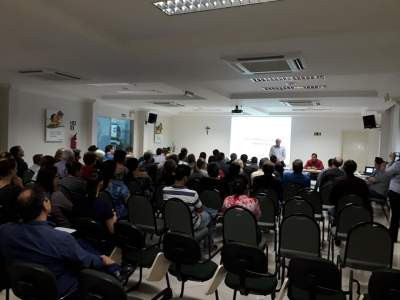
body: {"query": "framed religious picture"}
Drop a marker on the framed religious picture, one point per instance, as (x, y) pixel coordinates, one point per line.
(158, 129)
(55, 129)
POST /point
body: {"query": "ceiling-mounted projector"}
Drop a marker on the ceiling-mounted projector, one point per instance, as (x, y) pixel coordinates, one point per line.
(237, 110)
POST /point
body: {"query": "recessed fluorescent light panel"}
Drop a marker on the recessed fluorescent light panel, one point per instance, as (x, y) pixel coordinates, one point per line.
(288, 78)
(108, 84)
(178, 7)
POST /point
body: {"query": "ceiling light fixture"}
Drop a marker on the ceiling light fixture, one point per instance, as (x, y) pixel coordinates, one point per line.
(288, 78)
(139, 92)
(179, 7)
(109, 84)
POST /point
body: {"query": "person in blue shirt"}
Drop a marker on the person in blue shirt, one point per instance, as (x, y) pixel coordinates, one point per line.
(34, 240)
(297, 176)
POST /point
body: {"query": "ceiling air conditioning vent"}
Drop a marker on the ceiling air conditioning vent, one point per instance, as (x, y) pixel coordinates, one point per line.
(300, 103)
(270, 64)
(168, 104)
(48, 74)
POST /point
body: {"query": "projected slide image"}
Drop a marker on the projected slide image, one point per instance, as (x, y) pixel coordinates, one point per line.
(254, 136)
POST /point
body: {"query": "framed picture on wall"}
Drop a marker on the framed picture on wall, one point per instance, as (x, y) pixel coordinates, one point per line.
(158, 129)
(55, 128)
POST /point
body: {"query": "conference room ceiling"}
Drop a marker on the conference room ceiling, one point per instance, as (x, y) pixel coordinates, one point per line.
(355, 44)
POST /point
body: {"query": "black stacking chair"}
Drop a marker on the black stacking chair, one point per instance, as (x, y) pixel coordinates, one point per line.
(384, 284)
(369, 247)
(211, 199)
(178, 218)
(325, 194)
(314, 198)
(290, 190)
(313, 279)
(4, 281)
(142, 214)
(349, 199)
(383, 203)
(269, 214)
(299, 236)
(96, 285)
(183, 251)
(27, 176)
(298, 206)
(95, 234)
(350, 216)
(106, 196)
(132, 243)
(247, 270)
(240, 226)
(33, 282)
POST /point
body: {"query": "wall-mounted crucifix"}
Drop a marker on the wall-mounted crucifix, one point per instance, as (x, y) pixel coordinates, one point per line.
(207, 129)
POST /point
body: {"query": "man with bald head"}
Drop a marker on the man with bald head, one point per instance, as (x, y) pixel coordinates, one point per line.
(278, 150)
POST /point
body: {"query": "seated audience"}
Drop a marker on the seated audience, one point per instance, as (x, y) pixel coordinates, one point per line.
(117, 189)
(203, 155)
(66, 156)
(233, 157)
(252, 167)
(268, 181)
(314, 163)
(137, 181)
(259, 171)
(58, 155)
(74, 185)
(167, 177)
(62, 207)
(220, 161)
(159, 158)
(200, 169)
(212, 182)
(297, 176)
(18, 153)
(109, 152)
(184, 152)
(36, 165)
(89, 171)
(35, 240)
(328, 175)
(148, 165)
(121, 171)
(200, 217)
(279, 166)
(215, 153)
(378, 183)
(92, 148)
(349, 185)
(392, 159)
(77, 154)
(191, 161)
(10, 187)
(240, 198)
(47, 161)
(182, 158)
(211, 159)
(129, 151)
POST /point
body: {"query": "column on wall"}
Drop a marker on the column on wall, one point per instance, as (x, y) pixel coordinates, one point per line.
(4, 116)
(139, 128)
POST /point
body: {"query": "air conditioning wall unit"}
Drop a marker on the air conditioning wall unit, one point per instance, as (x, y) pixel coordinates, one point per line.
(300, 103)
(268, 64)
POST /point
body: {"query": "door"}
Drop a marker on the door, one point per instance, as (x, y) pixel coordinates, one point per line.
(354, 146)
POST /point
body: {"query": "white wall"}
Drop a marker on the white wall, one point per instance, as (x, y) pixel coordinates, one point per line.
(190, 132)
(27, 122)
(4, 115)
(166, 137)
(390, 130)
(329, 144)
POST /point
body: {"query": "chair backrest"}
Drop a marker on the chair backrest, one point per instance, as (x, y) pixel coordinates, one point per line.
(32, 282)
(370, 245)
(384, 285)
(268, 209)
(181, 248)
(349, 199)
(239, 258)
(271, 194)
(311, 277)
(291, 189)
(127, 236)
(96, 285)
(159, 198)
(194, 184)
(239, 225)
(313, 197)
(27, 176)
(298, 206)
(211, 199)
(300, 234)
(93, 232)
(350, 216)
(141, 212)
(178, 217)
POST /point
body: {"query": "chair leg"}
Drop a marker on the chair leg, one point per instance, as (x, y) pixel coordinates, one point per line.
(351, 285)
(7, 294)
(182, 289)
(323, 228)
(275, 239)
(216, 295)
(384, 212)
(138, 283)
(167, 279)
(329, 246)
(234, 294)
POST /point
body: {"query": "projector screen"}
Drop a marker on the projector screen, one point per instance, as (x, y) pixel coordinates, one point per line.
(254, 136)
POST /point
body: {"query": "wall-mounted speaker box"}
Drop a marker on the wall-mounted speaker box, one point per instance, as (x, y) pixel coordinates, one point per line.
(152, 118)
(369, 121)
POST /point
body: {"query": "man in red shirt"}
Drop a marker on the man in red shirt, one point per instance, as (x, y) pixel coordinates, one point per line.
(314, 163)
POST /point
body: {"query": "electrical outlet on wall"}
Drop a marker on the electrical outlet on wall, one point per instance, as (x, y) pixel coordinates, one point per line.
(316, 133)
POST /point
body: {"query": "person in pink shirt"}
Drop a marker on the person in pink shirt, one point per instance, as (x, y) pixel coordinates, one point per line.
(314, 163)
(239, 198)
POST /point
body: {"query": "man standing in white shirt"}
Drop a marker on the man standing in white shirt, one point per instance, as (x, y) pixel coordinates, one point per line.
(278, 150)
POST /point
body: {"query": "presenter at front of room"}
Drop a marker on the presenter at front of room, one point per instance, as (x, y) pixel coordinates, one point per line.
(278, 150)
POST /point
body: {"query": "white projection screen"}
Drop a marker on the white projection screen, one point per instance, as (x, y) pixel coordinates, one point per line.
(254, 136)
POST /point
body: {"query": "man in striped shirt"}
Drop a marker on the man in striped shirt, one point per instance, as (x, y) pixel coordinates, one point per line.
(200, 217)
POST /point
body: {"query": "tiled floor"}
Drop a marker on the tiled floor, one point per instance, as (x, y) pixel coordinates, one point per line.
(195, 290)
